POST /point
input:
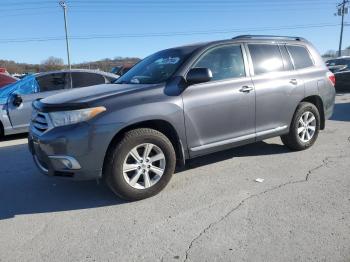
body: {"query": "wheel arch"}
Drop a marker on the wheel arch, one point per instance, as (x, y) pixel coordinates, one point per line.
(162, 126)
(317, 101)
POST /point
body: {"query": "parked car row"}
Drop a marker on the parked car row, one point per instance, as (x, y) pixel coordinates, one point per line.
(175, 105)
(121, 70)
(16, 99)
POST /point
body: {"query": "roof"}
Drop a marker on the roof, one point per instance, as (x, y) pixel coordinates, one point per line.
(246, 38)
(77, 70)
(269, 37)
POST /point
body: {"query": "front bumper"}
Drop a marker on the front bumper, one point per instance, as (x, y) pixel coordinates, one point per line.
(75, 151)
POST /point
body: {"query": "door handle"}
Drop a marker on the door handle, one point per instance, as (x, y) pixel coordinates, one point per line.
(246, 89)
(293, 81)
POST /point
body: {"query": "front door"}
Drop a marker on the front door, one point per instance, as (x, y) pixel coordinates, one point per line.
(221, 112)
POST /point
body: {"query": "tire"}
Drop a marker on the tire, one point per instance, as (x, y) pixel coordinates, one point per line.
(122, 155)
(305, 138)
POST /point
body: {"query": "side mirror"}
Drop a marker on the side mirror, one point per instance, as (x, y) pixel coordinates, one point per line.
(199, 75)
(17, 100)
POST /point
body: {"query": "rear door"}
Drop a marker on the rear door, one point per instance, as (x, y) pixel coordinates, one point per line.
(221, 112)
(278, 88)
(40, 87)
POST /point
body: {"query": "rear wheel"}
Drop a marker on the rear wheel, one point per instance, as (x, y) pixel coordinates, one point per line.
(304, 128)
(140, 165)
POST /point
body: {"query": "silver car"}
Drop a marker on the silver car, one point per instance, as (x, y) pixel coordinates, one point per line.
(181, 103)
(16, 99)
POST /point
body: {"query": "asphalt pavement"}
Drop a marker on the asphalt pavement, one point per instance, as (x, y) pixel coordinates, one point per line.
(213, 210)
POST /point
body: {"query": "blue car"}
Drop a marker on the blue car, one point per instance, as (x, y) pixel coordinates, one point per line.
(16, 98)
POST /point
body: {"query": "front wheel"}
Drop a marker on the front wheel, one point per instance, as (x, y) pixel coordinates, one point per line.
(141, 164)
(304, 128)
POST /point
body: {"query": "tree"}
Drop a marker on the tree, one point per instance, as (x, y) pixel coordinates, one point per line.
(330, 53)
(51, 64)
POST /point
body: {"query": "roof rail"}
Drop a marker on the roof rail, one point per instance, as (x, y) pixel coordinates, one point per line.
(274, 37)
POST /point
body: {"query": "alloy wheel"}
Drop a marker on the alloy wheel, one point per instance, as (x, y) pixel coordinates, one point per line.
(306, 126)
(144, 166)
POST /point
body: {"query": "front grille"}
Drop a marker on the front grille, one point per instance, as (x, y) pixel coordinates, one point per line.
(40, 122)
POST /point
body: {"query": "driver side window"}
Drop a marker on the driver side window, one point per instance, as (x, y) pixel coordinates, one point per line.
(225, 62)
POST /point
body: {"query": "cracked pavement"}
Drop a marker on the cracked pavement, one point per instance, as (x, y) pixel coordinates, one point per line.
(211, 211)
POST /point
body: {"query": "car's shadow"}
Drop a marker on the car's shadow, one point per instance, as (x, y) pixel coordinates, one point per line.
(13, 137)
(256, 149)
(24, 191)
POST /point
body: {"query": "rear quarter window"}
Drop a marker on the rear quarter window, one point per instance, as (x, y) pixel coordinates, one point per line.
(301, 56)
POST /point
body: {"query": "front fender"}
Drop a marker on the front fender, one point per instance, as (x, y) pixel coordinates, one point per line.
(170, 112)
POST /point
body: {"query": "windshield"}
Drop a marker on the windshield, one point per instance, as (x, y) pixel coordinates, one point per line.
(156, 68)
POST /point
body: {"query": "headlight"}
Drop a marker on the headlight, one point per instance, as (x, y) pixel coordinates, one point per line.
(63, 118)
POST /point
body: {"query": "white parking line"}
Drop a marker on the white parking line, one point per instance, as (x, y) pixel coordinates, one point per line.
(13, 142)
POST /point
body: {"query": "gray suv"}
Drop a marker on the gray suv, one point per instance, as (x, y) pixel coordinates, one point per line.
(181, 103)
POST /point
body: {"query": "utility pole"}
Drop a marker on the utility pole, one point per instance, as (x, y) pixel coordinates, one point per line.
(64, 6)
(341, 11)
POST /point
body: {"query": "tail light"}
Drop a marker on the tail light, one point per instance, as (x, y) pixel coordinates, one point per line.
(331, 78)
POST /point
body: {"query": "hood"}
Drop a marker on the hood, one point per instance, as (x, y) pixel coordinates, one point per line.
(88, 94)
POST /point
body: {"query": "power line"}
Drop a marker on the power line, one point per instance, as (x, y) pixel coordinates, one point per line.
(29, 14)
(164, 34)
(178, 3)
(166, 9)
(160, 12)
(21, 3)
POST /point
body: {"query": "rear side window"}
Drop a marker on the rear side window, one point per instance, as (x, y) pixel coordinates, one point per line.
(301, 56)
(52, 82)
(266, 58)
(82, 79)
(225, 62)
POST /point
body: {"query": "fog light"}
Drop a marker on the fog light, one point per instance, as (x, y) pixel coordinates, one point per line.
(67, 161)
